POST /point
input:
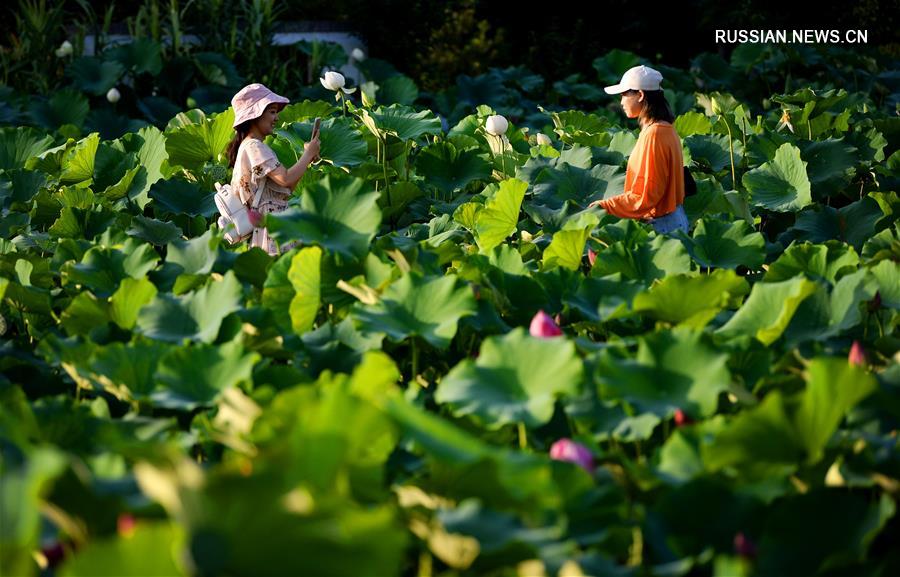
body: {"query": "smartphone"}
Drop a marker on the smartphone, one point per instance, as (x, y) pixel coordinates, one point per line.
(315, 130)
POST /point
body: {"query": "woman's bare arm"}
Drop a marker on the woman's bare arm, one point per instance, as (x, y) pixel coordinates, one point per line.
(289, 177)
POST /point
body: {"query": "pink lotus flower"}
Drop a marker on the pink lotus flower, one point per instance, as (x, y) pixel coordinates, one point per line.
(543, 326)
(682, 419)
(572, 452)
(592, 257)
(744, 546)
(857, 355)
(125, 525)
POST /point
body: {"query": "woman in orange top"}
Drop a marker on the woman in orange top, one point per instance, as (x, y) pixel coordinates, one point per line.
(654, 177)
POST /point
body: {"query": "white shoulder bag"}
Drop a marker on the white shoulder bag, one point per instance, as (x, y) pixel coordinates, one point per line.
(234, 216)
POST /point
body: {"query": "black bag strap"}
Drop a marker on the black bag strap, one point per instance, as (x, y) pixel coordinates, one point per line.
(690, 185)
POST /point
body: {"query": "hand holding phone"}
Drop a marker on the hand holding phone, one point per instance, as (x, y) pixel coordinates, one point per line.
(315, 134)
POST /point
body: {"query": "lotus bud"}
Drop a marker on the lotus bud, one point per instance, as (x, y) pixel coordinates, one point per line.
(744, 546)
(543, 139)
(496, 125)
(857, 356)
(65, 49)
(333, 80)
(125, 525)
(358, 55)
(543, 326)
(113, 95)
(592, 257)
(572, 452)
(682, 419)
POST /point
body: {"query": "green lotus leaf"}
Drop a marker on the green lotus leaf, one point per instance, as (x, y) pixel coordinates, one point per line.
(780, 184)
(154, 231)
(622, 141)
(193, 139)
(140, 56)
(645, 262)
(26, 483)
(148, 550)
(217, 69)
(342, 144)
(177, 196)
(691, 123)
(720, 244)
(779, 433)
(278, 291)
(603, 299)
(516, 379)
(195, 316)
(854, 223)
(23, 185)
(102, 269)
(500, 215)
(78, 164)
(127, 371)
(672, 370)
(711, 150)
(833, 387)
(338, 213)
(19, 144)
(567, 246)
(582, 128)
(195, 376)
(64, 107)
(827, 314)
(306, 110)
(768, 310)
(111, 124)
(691, 300)
(416, 306)
(400, 121)
(94, 75)
(449, 169)
(397, 89)
(555, 186)
(196, 255)
(612, 65)
(128, 299)
(830, 165)
(827, 261)
(84, 313)
(470, 467)
(887, 274)
(305, 277)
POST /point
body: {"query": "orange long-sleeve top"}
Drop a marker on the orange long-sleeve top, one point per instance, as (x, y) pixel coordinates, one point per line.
(654, 176)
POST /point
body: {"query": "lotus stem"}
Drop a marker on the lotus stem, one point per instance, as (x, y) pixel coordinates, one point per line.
(387, 186)
(731, 155)
(523, 436)
(415, 359)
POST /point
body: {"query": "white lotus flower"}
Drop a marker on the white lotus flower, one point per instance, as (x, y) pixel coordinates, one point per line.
(65, 49)
(113, 95)
(358, 55)
(496, 125)
(335, 81)
(543, 139)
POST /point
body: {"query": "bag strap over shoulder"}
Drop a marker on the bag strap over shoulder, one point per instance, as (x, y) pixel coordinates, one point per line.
(257, 197)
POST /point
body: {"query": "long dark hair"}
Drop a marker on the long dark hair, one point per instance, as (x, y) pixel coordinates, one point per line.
(240, 133)
(656, 107)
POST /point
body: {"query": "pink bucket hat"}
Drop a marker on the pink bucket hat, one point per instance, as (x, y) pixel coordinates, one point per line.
(251, 101)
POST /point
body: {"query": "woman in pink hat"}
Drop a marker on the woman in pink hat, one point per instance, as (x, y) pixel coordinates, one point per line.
(654, 176)
(256, 167)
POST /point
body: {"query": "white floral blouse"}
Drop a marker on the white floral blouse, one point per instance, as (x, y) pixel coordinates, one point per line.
(255, 160)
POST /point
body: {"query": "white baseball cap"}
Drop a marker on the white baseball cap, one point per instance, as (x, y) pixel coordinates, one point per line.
(637, 78)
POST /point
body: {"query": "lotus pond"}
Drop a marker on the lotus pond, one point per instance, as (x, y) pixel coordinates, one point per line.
(386, 399)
